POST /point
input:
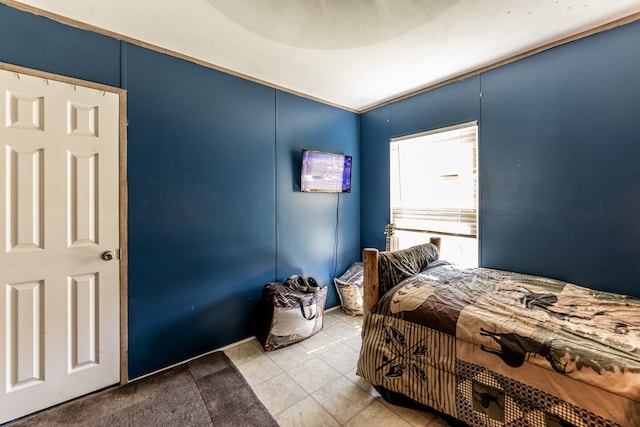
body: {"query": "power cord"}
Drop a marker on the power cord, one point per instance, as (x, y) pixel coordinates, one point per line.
(334, 267)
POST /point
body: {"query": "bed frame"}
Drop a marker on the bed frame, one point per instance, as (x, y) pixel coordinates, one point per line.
(371, 283)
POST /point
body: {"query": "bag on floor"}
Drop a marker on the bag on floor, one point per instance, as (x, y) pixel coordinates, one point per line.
(349, 287)
(286, 316)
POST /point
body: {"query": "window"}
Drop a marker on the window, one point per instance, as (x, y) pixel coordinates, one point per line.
(434, 191)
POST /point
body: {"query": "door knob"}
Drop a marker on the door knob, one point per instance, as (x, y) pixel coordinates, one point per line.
(108, 255)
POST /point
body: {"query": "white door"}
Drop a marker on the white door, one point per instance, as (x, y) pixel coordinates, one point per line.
(59, 212)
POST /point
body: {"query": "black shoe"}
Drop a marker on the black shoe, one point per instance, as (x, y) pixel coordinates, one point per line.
(312, 285)
(296, 283)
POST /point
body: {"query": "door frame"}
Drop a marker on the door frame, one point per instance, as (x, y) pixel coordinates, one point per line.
(123, 197)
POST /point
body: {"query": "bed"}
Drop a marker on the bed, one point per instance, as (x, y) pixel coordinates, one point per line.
(496, 348)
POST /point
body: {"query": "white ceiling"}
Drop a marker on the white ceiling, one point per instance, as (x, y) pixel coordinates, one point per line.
(351, 53)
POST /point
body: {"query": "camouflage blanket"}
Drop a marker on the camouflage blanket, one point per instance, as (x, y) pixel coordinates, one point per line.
(498, 348)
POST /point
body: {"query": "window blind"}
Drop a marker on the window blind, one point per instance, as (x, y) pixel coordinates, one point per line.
(434, 181)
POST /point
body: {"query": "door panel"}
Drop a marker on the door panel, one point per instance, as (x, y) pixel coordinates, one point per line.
(59, 211)
(24, 203)
(25, 335)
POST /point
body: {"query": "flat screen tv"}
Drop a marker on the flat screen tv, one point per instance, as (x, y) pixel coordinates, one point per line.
(323, 172)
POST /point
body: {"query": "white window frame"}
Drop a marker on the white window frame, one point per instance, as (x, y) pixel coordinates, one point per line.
(449, 180)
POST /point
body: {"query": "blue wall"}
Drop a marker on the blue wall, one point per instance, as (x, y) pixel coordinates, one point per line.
(39, 43)
(559, 150)
(214, 211)
(322, 227)
(201, 206)
(214, 208)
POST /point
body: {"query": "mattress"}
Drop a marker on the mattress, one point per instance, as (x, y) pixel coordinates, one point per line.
(496, 348)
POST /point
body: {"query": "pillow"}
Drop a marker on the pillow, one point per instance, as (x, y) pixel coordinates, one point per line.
(393, 267)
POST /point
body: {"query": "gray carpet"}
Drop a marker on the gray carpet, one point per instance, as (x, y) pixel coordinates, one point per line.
(209, 391)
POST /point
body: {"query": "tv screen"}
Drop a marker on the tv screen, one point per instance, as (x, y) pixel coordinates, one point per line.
(325, 172)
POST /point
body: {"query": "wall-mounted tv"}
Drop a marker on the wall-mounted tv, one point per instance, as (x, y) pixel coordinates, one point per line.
(323, 172)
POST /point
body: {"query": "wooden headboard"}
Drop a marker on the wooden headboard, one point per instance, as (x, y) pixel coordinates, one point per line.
(371, 284)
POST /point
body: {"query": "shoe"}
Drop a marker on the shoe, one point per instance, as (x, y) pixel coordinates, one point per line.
(296, 283)
(312, 284)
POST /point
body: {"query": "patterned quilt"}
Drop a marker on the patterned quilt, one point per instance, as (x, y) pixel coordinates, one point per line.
(496, 348)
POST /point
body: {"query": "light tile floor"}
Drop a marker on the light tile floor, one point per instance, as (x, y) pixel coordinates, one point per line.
(314, 382)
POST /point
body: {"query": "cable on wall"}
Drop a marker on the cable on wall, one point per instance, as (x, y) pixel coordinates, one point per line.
(334, 265)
